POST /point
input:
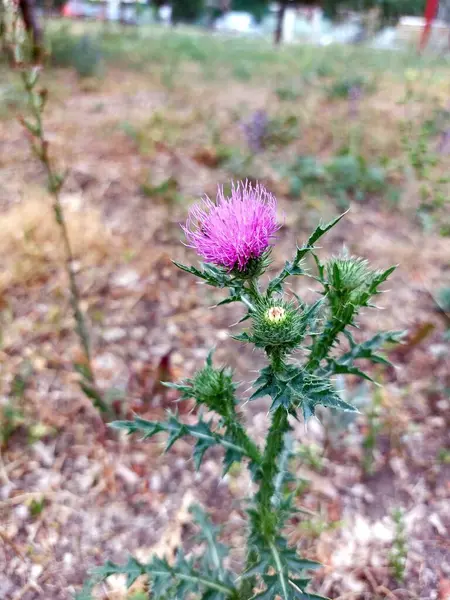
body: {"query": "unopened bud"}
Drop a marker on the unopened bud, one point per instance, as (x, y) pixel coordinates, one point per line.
(275, 314)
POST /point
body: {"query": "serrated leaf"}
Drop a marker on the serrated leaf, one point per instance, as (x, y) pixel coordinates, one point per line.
(365, 350)
(328, 400)
(231, 456)
(209, 273)
(296, 563)
(310, 314)
(321, 230)
(216, 552)
(276, 565)
(337, 369)
(132, 569)
(230, 299)
(375, 283)
(242, 337)
(201, 431)
(179, 580)
(296, 388)
(181, 387)
(294, 268)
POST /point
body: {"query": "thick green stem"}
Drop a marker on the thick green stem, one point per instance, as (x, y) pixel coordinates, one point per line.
(269, 472)
(322, 346)
(240, 438)
(265, 521)
(253, 290)
(325, 341)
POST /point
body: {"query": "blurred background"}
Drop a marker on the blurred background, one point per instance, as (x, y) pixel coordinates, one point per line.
(332, 106)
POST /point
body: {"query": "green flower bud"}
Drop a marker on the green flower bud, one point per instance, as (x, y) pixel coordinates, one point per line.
(348, 274)
(214, 388)
(350, 284)
(277, 324)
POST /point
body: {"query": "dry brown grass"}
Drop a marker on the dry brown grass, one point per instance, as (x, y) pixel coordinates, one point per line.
(30, 243)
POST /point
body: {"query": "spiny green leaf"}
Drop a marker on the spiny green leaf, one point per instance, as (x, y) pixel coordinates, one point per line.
(184, 388)
(337, 369)
(230, 299)
(242, 337)
(281, 569)
(210, 274)
(294, 268)
(320, 231)
(206, 437)
(177, 581)
(300, 594)
(296, 388)
(365, 350)
(216, 552)
(132, 569)
(296, 563)
(375, 283)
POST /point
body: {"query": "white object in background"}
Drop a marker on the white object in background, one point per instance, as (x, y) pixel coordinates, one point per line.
(241, 22)
(290, 16)
(317, 20)
(113, 10)
(165, 13)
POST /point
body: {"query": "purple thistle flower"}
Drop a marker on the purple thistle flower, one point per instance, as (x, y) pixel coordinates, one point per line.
(235, 229)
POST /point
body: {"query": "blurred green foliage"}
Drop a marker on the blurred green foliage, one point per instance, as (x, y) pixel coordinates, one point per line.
(187, 11)
(390, 10)
(344, 177)
(81, 53)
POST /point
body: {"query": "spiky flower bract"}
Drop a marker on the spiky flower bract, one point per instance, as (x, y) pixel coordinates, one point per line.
(236, 229)
(214, 388)
(276, 324)
(349, 279)
(347, 273)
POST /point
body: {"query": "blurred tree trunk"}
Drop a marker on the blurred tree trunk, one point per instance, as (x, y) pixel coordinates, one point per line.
(3, 25)
(280, 21)
(32, 27)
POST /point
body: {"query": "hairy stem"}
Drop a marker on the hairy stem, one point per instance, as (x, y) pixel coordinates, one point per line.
(253, 290)
(240, 438)
(323, 344)
(265, 520)
(269, 471)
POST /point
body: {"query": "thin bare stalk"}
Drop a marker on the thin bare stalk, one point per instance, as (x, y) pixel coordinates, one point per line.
(39, 144)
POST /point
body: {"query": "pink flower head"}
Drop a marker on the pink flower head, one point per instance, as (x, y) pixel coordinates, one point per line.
(234, 229)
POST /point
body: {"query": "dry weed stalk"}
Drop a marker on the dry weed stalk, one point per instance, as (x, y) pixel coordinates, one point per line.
(37, 99)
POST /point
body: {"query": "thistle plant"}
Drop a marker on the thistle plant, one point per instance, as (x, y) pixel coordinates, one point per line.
(234, 236)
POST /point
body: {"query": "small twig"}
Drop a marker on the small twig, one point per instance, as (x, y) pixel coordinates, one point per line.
(371, 579)
(3, 472)
(8, 541)
(381, 589)
(23, 498)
